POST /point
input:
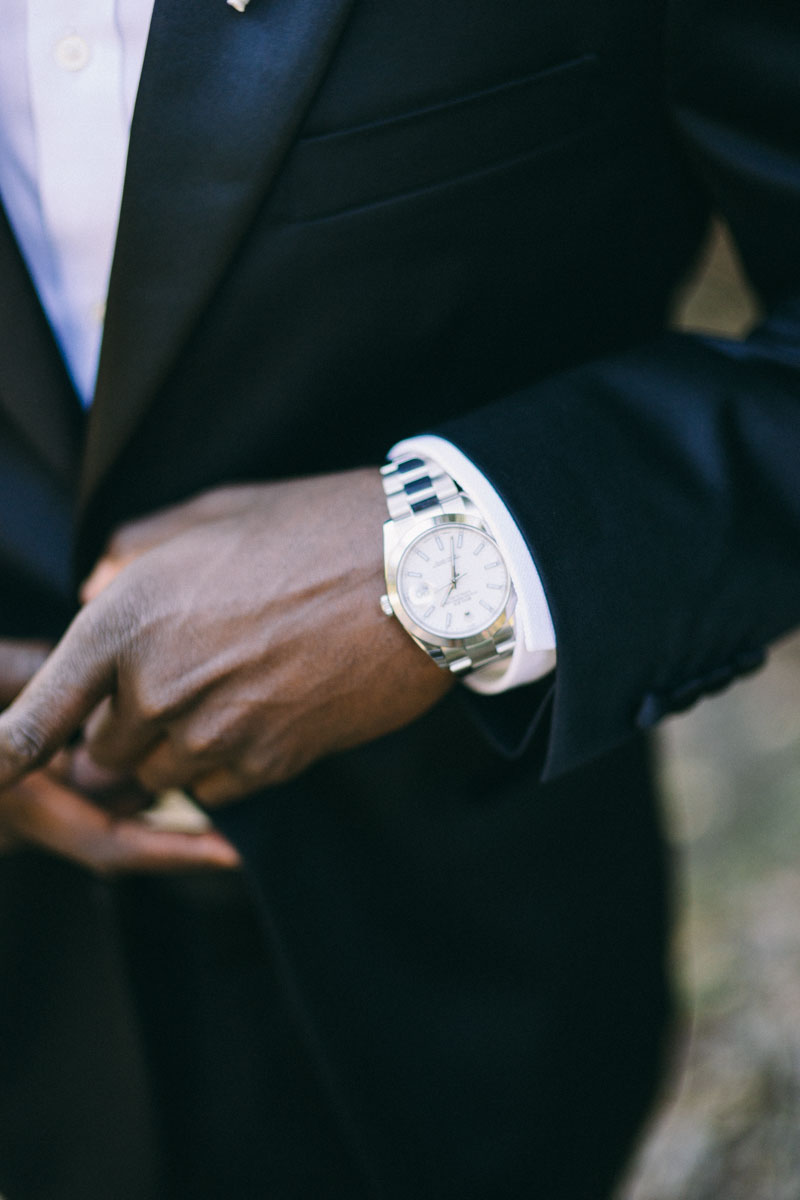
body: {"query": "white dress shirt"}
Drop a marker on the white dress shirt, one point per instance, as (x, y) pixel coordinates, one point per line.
(69, 72)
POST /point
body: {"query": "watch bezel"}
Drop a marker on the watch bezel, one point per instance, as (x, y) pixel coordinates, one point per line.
(398, 540)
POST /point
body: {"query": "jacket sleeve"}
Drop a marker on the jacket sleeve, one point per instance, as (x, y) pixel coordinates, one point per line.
(659, 489)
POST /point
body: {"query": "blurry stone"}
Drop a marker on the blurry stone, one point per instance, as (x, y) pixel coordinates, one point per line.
(728, 1127)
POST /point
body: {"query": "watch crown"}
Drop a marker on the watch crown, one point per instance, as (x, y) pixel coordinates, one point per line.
(386, 606)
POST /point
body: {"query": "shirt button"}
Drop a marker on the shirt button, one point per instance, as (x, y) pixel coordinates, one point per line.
(72, 53)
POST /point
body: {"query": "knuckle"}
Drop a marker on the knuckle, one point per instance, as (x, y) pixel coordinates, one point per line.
(113, 622)
(265, 770)
(23, 743)
(97, 627)
(254, 773)
(201, 743)
(152, 702)
(209, 740)
(258, 760)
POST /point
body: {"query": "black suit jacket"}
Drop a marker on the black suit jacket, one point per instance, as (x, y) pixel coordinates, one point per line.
(345, 221)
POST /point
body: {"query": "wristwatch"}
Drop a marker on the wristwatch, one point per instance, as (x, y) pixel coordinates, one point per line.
(446, 579)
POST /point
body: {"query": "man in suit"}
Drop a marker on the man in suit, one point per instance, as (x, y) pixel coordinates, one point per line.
(342, 225)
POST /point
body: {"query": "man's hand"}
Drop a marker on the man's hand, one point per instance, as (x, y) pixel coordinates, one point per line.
(243, 643)
(77, 811)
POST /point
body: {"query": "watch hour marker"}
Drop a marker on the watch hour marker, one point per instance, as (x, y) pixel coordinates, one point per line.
(422, 554)
(478, 549)
(415, 574)
(449, 621)
(496, 587)
(439, 542)
(460, 541)
(488, 607)
(489, 566)
(428, 611)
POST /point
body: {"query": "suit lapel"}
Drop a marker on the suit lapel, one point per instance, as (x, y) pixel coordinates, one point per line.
(35, 389)
(220, 98)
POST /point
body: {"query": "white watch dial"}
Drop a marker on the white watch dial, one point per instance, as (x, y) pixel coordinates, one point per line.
(452, 581)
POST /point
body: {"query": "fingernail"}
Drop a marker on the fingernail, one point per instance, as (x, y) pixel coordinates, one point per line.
(226, 855)
(98, 579)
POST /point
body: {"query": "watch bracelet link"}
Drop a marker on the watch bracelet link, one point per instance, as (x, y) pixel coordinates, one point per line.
(415, 486)
(475, 653)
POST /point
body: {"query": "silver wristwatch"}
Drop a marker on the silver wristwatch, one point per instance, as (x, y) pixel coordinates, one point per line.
(446, 579)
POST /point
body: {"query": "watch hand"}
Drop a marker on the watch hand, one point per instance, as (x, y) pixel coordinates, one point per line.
(451, 583)
(452, 587)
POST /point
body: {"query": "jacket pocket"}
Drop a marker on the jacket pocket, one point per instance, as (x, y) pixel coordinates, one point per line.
(385, 160)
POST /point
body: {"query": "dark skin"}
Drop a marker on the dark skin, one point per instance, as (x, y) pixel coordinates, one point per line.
(228, 643)
(79, 811)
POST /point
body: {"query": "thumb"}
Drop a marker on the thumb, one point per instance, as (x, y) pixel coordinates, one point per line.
(104, 572)
(52, 707)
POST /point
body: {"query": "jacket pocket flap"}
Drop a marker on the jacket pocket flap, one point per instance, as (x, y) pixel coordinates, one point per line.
(330, 172)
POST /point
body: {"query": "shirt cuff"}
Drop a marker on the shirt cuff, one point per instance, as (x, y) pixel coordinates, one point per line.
(535, 650)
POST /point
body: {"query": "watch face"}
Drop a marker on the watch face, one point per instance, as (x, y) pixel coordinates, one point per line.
(452, 581)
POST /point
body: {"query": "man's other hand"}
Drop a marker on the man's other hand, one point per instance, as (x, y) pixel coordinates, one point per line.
(244, 642)
(80, 812)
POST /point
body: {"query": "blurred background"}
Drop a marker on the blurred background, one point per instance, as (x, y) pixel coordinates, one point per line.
(728, 1127)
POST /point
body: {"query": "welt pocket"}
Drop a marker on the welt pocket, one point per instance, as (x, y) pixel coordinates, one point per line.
(360, 165)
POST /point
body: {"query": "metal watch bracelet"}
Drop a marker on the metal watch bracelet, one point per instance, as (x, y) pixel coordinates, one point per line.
(415, 487)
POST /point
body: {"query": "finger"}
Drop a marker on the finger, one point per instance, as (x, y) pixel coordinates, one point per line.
(132, 540)
(20, 659)
(220, 787)
(104, 573)
(117, 737)
(193, 745)
(49, 816)
(78, 770)
(170, 766)
(116, 793)
(60, 767)
(135, 847)
(55, 703)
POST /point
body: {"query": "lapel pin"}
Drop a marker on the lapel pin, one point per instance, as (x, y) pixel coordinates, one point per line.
(239, 5)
